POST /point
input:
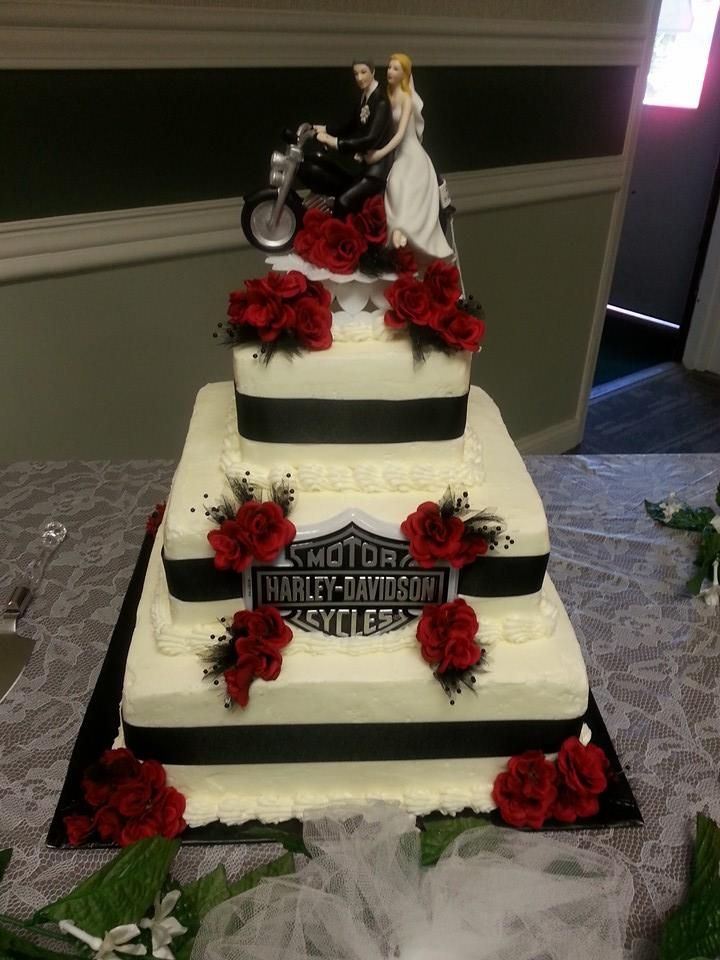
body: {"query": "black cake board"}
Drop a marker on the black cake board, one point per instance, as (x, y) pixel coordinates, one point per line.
(99, 729)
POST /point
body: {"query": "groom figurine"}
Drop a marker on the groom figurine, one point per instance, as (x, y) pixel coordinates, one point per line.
(369, 128)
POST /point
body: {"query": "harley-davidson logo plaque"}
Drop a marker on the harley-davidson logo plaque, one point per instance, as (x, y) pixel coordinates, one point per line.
(352, 581)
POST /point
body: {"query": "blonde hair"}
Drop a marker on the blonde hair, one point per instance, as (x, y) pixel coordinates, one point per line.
(406, 63)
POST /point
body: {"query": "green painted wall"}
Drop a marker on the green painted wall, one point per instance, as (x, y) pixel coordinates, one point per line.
(105, 365)
(536, 271)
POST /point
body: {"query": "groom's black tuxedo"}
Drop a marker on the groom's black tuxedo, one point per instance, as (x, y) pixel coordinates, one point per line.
(368, 128)
(356, 136)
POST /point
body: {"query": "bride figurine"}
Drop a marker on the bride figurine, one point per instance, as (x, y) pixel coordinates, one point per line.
(412, 200)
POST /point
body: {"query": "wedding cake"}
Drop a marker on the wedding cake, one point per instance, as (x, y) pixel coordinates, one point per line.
(347, 599)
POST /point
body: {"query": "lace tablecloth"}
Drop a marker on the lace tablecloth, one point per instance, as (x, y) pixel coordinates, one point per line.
(653, 655)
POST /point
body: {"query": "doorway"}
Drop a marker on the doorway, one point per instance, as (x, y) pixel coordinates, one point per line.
(672, 199)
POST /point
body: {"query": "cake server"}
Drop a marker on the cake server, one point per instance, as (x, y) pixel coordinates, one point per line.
(15, 650)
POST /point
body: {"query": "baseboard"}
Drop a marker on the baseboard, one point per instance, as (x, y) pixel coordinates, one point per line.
(558, 438)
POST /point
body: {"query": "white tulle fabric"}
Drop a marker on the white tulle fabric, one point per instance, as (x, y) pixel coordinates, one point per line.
(494, 895)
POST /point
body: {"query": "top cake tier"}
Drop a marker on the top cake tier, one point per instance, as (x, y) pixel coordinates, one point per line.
(367, 399)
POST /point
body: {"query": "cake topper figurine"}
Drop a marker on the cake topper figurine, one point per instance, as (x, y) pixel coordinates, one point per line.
(412, 194)
(368, 128)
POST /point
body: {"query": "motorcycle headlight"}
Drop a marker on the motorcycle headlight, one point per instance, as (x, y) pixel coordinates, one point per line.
(277, 177)
(277, 159)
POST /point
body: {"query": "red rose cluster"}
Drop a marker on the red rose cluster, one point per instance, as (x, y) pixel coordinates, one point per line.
(434, 536)
(446, 633)
(129, 800)
(337, 245)
(284, 304)
(533, 789)
(258, 637)
(259, 531)
(433, 303)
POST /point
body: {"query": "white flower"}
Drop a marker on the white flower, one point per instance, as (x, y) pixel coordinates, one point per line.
(162, 926)
(715, 522)
(671, 506)
(711, 595)
(113, 943)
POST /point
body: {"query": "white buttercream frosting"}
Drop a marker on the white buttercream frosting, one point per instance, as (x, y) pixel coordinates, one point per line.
(383, 474)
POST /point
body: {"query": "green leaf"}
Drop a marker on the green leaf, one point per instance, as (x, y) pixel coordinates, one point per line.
(291, 841)
(120, 892)
(439, 834)
(13, 946)
(5, 856)
(200, 896)
(695, 583)
(706, 857)
(693, 930)
(277, 868)
(686, 518)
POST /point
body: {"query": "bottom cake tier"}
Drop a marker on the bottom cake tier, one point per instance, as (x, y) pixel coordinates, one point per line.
(347, 727)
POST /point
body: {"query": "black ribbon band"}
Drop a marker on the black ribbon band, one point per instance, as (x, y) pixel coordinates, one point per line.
(310, 420)
(198, 580)
(502, 576)
(346, 742)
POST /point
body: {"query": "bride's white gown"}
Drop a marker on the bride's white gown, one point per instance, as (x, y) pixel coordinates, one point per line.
(412, 200)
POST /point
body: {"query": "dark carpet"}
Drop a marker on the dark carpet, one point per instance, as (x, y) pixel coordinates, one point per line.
(673, 411)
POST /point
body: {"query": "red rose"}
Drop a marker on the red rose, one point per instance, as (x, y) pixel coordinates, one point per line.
(168, 812)
(432, 536)
(138, 829)
(261, 308)
(410, 302)
(153, 774)
(120, 764)
(259, 636)
(404, 260)
(266, 311)
(309, 235)
(460, 329)
(262, 633)
(583, 768)
(96, 792)
(570, 805)
(238, 680)
(264, 528)
(318, 292)
(371, 222)
(287, 286)
(131, 798)
(232, 551)
(312, 324)
(443, 281)
(340, 246)
(525, 793)
(472, 546)
(78, 828)
(108, 824)
(446, 634)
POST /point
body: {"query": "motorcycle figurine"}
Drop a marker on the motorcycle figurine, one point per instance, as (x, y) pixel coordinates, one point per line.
(271, 217)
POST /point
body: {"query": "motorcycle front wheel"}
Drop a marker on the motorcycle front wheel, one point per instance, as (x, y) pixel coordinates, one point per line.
(255, 219)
